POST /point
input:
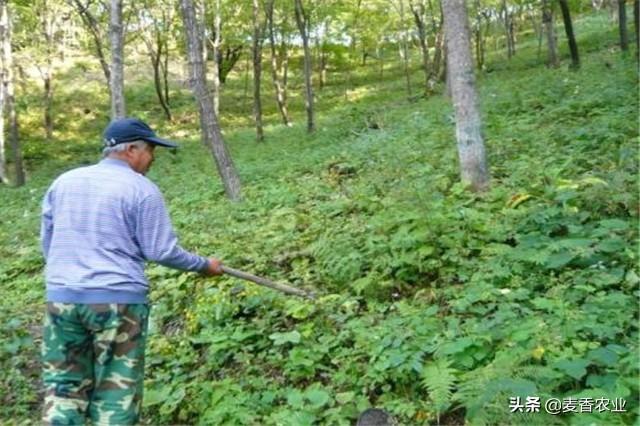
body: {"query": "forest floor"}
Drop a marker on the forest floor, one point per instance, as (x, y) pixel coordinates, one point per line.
(435, 303)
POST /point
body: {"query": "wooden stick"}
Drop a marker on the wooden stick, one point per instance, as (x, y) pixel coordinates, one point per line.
(267, 283)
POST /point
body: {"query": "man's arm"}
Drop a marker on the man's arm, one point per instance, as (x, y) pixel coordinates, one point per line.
(46, 223)
(158, 241)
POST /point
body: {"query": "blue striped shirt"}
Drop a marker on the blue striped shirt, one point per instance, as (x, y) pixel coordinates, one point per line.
(99, 225)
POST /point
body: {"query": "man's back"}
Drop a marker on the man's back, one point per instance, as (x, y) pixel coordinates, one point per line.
(90, 241)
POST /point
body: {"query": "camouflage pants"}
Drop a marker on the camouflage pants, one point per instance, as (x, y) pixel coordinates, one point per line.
(93, 358)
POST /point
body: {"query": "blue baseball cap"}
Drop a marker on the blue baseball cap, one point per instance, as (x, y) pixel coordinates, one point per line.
(123, 130)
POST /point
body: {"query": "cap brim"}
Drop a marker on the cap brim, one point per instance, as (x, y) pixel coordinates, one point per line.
(161, 142)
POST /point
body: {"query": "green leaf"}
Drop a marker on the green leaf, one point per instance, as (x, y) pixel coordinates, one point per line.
(557, 260)
(155, 396)
(603, 355)
(317, 397)
(282, 338)
(295, 399)
(576, 368)
(345, 397)
(611, 245)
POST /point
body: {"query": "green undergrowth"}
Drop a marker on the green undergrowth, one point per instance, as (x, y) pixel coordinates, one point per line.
(434, 303)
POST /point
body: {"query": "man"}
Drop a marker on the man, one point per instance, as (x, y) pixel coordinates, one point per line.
(99, 225)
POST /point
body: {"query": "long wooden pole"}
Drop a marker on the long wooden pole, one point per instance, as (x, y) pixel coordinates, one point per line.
(266, 283)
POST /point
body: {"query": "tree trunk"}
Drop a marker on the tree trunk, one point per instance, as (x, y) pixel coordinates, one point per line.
(217, 28)
(508, 30)
(257, 71)
(116, 36)
(159, 75)
(622, 25)
(3, 29)
(471, 151)
(157, 46)
(404, 47)
(478, 37)
(568, 28)
(49, 25)
(549, 29)
(211, 134)
(302, 20)
(436, 27)
(636, 24)
(48, 106)
(280, 89)
(419, 17)
(91, 24)
(8, 88)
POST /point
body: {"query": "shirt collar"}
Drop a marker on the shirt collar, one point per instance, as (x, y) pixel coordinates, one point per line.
(115, 162)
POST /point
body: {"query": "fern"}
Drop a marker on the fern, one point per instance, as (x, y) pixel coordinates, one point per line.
(439, 379)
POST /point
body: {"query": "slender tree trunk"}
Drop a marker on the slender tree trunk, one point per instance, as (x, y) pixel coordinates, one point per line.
(3, 104)
(549, 29)
(116, 36)
(419, 17)
(8, 88)
(508, 30)
(91, 24)
(247, 67)
(279, 88)
(257, 71)
(478, 37)
(48, 106)
(302, 20)
(568, 28)
(211, 133)
(612, 6)
(380, 53)
(436, 27)
(404, 47)
(471, 151)
(636, 24)
(217, 28)
(161, 91)
(622, 25)
(48, 27)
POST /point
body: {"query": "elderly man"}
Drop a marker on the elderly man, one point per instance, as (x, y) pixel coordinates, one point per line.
(99, 226)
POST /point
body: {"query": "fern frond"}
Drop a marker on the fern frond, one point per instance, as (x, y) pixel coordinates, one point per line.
(439, 379)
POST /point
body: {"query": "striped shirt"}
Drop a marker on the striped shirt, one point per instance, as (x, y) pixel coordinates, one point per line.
(99, 225)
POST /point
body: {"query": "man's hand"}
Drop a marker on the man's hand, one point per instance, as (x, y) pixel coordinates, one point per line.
(214, 268)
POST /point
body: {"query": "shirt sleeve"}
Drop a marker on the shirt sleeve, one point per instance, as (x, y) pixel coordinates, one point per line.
(46, 223)
(158, 241)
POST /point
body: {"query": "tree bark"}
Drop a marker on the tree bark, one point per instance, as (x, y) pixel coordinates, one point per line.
(158, 48)
(622, 25)
(257, 71)
(636, 24)
(49, 25)
(302, 20)
(568, 28)
(508, 30)
(116, 36)
(280, 88)
(211, 134)
(217, 35)
(4, 179)
(436, 27)
(479, 39)
(403, 48)
(8, 88)
(91, 24)
(549, 29)
(471, 151)
(419, 17)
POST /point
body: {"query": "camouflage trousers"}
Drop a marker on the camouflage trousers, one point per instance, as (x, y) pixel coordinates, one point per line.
(93, 357)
